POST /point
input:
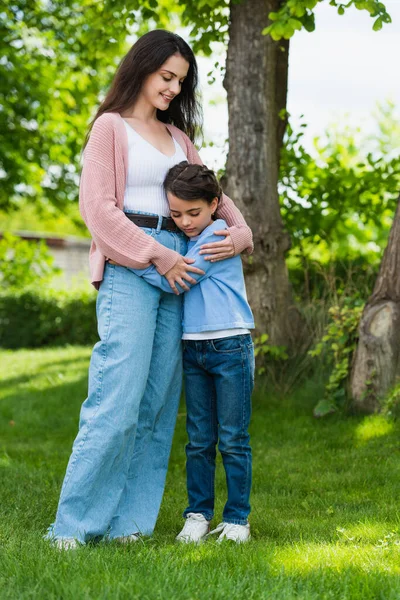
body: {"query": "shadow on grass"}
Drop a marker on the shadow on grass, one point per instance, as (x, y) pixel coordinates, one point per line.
(45, 368)
(32, 416)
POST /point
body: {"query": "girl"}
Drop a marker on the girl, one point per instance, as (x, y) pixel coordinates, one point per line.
(218, 361)
(115, 476)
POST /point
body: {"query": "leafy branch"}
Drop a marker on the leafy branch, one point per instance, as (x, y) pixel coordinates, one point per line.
(299, 14)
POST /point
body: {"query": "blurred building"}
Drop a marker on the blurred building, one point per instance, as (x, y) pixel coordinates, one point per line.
(71, 254)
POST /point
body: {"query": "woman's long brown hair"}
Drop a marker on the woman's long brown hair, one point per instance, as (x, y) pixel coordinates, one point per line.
(145, 57)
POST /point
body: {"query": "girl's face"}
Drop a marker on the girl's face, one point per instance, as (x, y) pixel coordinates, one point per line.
(161, 87)
(191, 216)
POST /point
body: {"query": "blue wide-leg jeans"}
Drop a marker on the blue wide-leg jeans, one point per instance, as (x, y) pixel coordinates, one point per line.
(116, 473)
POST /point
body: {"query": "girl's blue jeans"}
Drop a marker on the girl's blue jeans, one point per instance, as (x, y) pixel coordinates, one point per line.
(116, 474)
(219, 379)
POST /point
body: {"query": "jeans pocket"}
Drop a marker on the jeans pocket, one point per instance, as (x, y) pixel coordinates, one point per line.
(227, 345)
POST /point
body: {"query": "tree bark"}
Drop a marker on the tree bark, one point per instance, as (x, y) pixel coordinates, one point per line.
(256, 84)
(376, 365)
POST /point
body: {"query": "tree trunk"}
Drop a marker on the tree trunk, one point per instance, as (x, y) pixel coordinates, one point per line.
(256, 84)
(376, 365)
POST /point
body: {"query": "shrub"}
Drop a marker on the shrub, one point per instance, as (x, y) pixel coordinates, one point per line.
(336, 349)
(24, 262)
(35, 317)
(391, 404)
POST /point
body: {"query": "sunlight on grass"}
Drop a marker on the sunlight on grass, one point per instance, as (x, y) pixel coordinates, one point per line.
(5, 460)
(43, 369)
(365, 532)
(52, 377)
(372, 427)
(305, 558)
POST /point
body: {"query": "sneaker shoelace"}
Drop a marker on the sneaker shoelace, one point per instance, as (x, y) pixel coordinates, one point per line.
(192, 522)
(230, 531)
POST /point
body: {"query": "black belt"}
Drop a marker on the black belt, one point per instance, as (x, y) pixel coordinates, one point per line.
(152, 222)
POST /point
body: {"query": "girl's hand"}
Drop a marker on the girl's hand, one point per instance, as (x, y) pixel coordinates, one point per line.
(180, 272)
(219, 250)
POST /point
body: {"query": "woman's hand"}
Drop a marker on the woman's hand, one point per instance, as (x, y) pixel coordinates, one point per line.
(219, 250)
(180, 272)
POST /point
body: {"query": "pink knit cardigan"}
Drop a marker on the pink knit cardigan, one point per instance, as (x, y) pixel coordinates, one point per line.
(101, 201)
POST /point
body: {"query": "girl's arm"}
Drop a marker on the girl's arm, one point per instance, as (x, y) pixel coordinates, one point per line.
(154, 278)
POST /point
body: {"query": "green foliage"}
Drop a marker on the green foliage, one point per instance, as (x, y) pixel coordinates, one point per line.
(281, 371)
(45, 219)
(209, 22)
(335, 350)
(338, 201)
(24, 263)
(41, 316)
(391, 404)
(56, 58)
(265, 353)
(209, 19)
(294, 15)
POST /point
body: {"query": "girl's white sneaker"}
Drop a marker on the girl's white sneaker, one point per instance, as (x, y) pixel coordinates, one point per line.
(195, 529)
(231, 531)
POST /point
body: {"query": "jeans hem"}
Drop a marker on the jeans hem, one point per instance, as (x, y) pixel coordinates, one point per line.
(207, 516)
(52, 537)
(236, 521)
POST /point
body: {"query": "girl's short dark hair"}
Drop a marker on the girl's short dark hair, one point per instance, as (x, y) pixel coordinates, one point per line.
(192, 182)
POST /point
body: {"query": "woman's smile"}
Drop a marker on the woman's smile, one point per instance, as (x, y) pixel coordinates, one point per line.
(167, 98)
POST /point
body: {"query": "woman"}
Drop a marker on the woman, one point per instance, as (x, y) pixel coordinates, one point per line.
(116, 474)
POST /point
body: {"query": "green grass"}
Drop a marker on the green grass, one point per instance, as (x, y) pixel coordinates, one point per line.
(325, 517)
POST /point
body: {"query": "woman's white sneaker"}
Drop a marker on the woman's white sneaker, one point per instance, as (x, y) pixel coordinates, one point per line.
(127, 539)
(231, 531)
(66, 543)
(195, 529)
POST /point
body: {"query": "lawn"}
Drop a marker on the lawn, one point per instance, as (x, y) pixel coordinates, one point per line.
(325, 519)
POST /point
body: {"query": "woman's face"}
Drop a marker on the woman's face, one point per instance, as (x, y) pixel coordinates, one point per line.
(191, 216)
(161, 87)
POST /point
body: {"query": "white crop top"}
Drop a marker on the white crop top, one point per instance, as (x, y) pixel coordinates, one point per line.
(147, 169)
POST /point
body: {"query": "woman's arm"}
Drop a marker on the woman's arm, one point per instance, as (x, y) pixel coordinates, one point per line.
(115, 236)
(206, 269)
(239, 231)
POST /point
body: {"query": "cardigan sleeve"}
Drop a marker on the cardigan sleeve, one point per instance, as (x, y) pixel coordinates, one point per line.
(154, 278)
(240, 232)
(115, 236)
